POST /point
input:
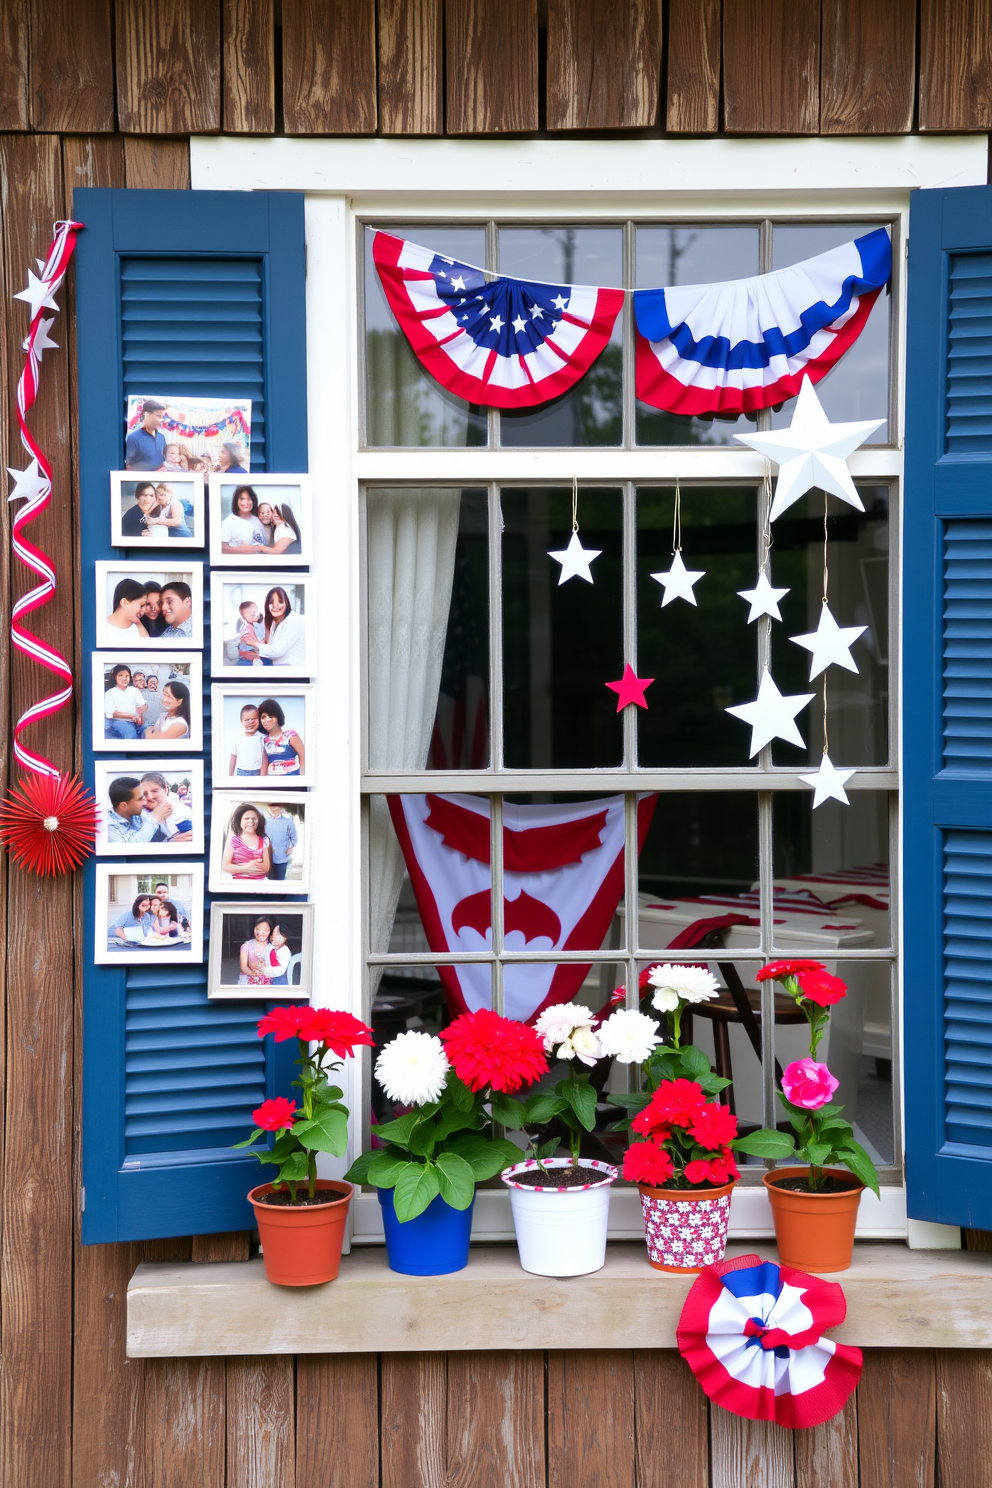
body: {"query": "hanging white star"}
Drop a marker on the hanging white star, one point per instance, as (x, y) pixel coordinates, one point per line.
(678, 581)
(828, 783)
(38, 295)
(772, 716)
(28, 483)
(829, 644)
(763, 599)
(42, 341)
(575, 560)
(812, 452)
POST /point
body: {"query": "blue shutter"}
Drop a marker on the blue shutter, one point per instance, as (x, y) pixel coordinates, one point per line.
(947, 719)
(177, 292)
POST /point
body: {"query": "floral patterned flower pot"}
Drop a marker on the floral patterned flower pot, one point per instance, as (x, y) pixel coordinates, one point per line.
(685, 1228)
(302, 1247)
(561, 1231)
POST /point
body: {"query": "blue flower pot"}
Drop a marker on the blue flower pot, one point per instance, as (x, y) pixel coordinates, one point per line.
(433, 1244)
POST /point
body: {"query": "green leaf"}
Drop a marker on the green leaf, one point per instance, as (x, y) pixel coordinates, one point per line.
(582, 1098)
(817, 1154)
(855, 1158)
(359, 1170)
(293, 1169)
(385, 1170)
(327, 1132)
(633, 1102)
(460, 1094)
(664, 1064)
(456, 1180)
(543, 1108)
(797, 1119)
(712, 1084)
(422, 1139)
(248, 1140)
(415, 1190)
(450, 1119)
(486, 1156)
(772, 1144)
(507, 1111)
(398, 1131)
(694, 1062)
(547, 1149)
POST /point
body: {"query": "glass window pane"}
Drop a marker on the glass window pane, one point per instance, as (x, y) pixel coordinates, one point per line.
(403, 403)
(592, 412)
(832, 868)
(699, 856)
(858, 386)
(693, 254)
(411, 997)
(561, 642)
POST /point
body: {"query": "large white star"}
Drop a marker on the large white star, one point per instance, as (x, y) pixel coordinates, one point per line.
(678, 581)
(829, 644)
(575, 560)
(771, 715)
(812, 452)
(38, 295)
(28, 483)
(828, 783)
(763, 599)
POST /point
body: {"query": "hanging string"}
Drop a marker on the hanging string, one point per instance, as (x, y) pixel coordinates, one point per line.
(767, 537)
(826, 581)
(677, 520)
(575, 503)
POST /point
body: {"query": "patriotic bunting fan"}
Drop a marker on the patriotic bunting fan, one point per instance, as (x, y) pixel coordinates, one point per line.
(502, 343)
(752, 1334)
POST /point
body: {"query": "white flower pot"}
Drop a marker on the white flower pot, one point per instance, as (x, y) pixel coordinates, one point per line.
(561, 1231)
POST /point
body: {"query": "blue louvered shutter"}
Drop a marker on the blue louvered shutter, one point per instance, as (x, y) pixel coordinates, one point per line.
(947, 720)
(197, 293)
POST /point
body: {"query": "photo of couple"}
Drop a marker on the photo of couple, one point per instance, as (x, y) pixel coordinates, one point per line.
(147, 914)
(156, 513)
(267, 520)
(260, 621)
(153, 807)
(261, 736)
(255, 947)
(147, 705)
(266, 846)
(196, 435)
(145, 607)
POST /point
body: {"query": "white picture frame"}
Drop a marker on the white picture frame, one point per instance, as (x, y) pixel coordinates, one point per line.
(185, 486)
(198, 427)
(173, 824)
(109, 575)
(280, 491)
(229, 590)
(227, 699)
(231, 926)
(188, 665)
(119, 886)
(298, 805)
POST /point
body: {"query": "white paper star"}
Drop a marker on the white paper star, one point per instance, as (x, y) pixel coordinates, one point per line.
(828, 783)
(678, 581)
(812, 452)
(830, 644)
(763, 599)
(28, 483)
(575, 560)
(42, 341)
(38, 295)
(771, 715)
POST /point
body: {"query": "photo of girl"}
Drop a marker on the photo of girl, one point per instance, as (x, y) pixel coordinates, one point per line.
(157, 512)
(149, 606)
(260, 950)
(264, 519)
(264, 735)
(147, 704)
(147, 915)
(263, 844)
(260, 620)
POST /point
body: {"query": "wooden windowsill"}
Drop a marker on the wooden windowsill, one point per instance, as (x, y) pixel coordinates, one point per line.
(895, 1298)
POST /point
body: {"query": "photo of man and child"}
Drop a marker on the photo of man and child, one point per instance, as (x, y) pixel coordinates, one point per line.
(267, 520)
(264, 736)
(149, 914)
(260, 622)
(266, 846)
(255, 947)
(143, 704)
(196, 435)
(149, 607)
(157, 513)
(153, 807)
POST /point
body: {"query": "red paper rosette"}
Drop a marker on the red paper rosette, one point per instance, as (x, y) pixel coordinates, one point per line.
(49, 823)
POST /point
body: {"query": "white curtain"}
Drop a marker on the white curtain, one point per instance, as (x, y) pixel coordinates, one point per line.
(411, 562)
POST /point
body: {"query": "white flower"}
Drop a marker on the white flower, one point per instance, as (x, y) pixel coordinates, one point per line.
(557, 1024)
(629, 1036)
(412, 1068)
(583, 1045)
(681, 983)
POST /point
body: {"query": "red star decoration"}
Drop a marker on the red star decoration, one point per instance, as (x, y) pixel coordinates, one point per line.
(630, 688)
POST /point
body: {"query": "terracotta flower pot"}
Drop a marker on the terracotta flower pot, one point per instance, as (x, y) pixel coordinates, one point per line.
(302, 1247)
(814, 1231)
(685, 1228)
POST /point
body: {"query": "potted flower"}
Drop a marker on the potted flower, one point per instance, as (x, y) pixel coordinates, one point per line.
(431, 1156)
(301, 1217)
(815, 1206)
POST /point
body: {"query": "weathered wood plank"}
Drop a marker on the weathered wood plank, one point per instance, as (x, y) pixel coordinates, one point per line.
(248, 104)
(897, 1419)
(176, 1248)
(495, 1420)
(591, 1419)
(90, 160)
(827, 1455)
(261, 1445)
(160, 164)
(771, 66)
(234, 1246)
(184, 1420)
(955, 65)
(604, 64)
(328, 66)
(337, 1420)
(491, 50)
(72, 66)
(671, 1420)
(412, 1427)
(867, 67)
(168, 66)
(108, 1389)
(411, 58)
(694, 41)
(964, 1416)
(14, 50)
(755, 1453)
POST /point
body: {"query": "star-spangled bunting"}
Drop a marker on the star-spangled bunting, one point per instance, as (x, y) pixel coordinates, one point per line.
(630, 688)
(575, 560)
(763, 599)
(828, 783)
(772, 716)
(829, 644)
(678, 581)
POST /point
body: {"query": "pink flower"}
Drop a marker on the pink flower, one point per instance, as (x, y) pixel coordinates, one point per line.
(808, 1084)
(274, 1114)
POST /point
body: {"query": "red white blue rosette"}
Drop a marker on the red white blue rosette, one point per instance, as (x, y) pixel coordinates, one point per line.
(752, 1333)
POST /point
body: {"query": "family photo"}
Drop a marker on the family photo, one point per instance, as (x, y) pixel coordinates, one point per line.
(147, 914)
(166, 511)
(258, 947)
(199, 435)
(260, 843)
(149, 606)
(260, 621)
(145, 703)
(154, 806)
(264, 520)
(262, 734)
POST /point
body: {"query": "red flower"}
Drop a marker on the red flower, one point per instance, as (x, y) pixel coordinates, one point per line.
(284, 1022)
(713, 1126)
(677, 1101)
(338, 1031)
(820, 987)
(487, 1050)
(723, 1168)
(273, 1115)
(648, 1164)
(649, 1123)
(776, 971)
(698, 1171)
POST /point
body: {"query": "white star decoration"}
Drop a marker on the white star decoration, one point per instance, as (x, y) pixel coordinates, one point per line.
(771, 715)
(28, 483)
(575, 560)
(38, 295)
(828, 783)
(42, 341)
(830, 644)
(678, 581)
(763, 599)
(812, 452)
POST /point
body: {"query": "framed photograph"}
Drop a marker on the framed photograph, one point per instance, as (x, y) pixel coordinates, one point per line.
(263, 734)
(160, 511)
(263, 519)
(262, 623)
(260, 949)
(148, 913)
(152, 807)
(145, 703)
(260, 843)
(159, 607)
(198, 435)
